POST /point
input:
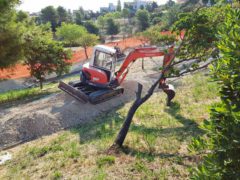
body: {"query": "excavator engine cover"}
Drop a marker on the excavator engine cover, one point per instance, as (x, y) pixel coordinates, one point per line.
(95, 75)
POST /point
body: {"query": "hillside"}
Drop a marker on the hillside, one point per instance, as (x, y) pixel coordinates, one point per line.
(155, 148)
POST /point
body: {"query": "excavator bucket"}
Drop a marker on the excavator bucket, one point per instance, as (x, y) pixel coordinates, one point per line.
(74, 91)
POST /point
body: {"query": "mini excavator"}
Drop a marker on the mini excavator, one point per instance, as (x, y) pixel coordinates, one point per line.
(100, 82)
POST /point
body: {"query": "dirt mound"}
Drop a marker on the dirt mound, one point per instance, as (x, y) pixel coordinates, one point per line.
(52, 114)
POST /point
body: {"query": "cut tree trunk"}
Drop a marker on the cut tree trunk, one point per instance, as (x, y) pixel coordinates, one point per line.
(137, 103)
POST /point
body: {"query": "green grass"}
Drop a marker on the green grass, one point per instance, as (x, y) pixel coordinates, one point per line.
(13, 97)
(105, 160)
(155, 148)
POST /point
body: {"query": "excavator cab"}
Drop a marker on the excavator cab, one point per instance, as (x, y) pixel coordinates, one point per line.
(100, 71)
(105, 62)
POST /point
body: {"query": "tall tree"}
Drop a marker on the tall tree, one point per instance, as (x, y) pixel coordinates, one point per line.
(154, 5)
(91, 27)
(125, 15)
(49, 14)
(11, 32)
(171, 16)
(143, 19)
(70, 16)
(112, 27)
(62, 15)
(78, 18)
(119, 6)
(101, 23)
(170, 3)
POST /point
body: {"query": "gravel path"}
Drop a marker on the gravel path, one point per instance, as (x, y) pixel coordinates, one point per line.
(61, 111)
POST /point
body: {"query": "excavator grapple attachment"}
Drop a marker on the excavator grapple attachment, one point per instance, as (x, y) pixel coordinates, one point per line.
(86, 93)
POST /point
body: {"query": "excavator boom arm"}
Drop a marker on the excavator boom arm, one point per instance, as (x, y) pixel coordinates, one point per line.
(142, 53)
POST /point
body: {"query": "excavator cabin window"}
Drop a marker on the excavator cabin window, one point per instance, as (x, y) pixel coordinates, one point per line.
(103, 60)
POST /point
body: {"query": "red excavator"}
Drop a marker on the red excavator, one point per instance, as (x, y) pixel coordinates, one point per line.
(99, 81)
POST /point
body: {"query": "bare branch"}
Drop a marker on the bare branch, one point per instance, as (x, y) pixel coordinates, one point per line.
(184, 60)
(189, 71)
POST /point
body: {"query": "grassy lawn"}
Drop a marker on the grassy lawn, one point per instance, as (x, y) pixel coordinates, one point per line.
(155, 148)
(14, 97)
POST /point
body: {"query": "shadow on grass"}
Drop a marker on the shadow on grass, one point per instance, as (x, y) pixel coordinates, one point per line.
(189, 124)
(189, 128)
(107, 125)
(104, 126)
(151, 156)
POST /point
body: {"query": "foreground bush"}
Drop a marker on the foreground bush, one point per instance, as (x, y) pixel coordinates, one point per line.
(221, 143)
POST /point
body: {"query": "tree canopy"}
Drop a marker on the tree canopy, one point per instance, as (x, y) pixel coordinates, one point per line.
(112, 27)
(70, 33)
(43, 55)
(11, 42)
(49, 14)
(91, 27)
(143, 19)
(88, 40)
(119, 6)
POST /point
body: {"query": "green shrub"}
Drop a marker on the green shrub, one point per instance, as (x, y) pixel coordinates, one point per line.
(221, 143)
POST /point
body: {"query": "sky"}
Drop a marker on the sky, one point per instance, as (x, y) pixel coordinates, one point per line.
(37, 5)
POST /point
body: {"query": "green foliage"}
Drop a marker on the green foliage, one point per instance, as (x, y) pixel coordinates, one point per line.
(49, 14)
(171, 16)
(78, 18)
(151, 6)
(154, 36)
(105, 160)
(101, 22)
(62, 15)
(119, 6)
(14, 95)
(143, 19)
(112, 27)
(43, 55)
(200, 27)
(222, 139)
(11, 32)
(11, 43)
(21, 16)
(125, 13)
(112, 15)
(6, 5)
(91, 27)
(170, 3)
(70, 33)
(87, 40)
(57, 175)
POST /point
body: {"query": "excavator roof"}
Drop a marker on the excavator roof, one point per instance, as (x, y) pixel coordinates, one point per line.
(105, 49)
